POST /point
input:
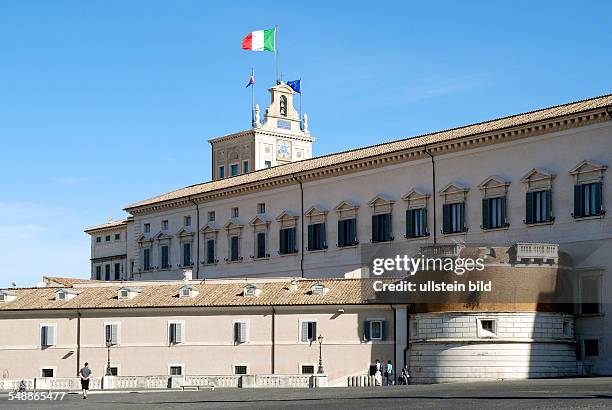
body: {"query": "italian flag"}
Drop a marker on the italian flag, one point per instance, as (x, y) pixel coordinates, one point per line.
(260, 40)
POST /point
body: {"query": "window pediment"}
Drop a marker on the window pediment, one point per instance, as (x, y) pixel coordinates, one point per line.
(209, 228)
(233, 224)
(144, 239)
(494, 186)
(185, 233)
(415, 195)
(288, 219)
(537, 179)
(260, 220)
(454, 192)
(316, 211)
(161, 235)
(588, 171)
(380, 200)
(346, 206)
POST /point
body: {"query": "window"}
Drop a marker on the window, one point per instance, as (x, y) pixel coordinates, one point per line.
(147, 228)
(318, 289)
(47, 372)
(164, 225)
(307, 369)
(175, 333)
(309, 331)
(234, 248)
(47, 335)
(374, 329)
(107, 238)
(250, 290)
(453, 218)
(538, 207)
(107, 271)
(211, 216)
(416, 223)
(261, 208)
(240, 332)
(567, 328)
(210, 251)
(176, 370)
(114, 371)
(381, 228)
(187, 254)
(117, 271)
(267, 164)
(287, 241)
(591, 347)
(245, 167)
(187, 221)
(124, 294)
(487, 327)
(234, 170)
(117, 236)
(587, 200)
(261, 245)
(98, 239)
(146, 259)
(240, 369)
(590, 295)
(98, 272)
(347, 232)
(165, 257)
(316, 237)
(221, 171)
(283, 106)
(494, 213)
(235, 212)
(111, 333)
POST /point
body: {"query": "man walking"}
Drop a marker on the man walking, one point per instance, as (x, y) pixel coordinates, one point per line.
(85, 372)
(389, 374)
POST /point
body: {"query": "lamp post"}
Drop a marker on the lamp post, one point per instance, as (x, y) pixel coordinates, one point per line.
(108, 366)
(320, 369)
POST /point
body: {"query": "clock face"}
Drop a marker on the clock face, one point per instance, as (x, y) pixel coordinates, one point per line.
(284, 149)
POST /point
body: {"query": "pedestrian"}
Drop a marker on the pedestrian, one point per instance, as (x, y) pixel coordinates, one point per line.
(405, 376)
(378, 373)
(389, 373)
(85, 372)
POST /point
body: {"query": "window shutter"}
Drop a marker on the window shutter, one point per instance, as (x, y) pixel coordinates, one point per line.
(291, 240)
(486, 211)
(462, 217)
(446, 209)
(243, 332)
(236, 332)
(304, 331)
(504, 214)
(340, 234)
(383, 330)
(234, 255)
(598, 198)
(50, 336)
(387, 226)
(172, 333)
(409, 223)
(424, 222)
(353, 231)
(548, 196)
(311, 244)
(375, 228)
(529, 208)
(366, 330)
(283, 242)
(210, 251)
(114, 334)
(314, 330)
(43, 336)
(578, 211)
(322, 235)
(107, 333)
(179, 332)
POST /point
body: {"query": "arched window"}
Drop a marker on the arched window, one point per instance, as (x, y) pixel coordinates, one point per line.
(283, 106)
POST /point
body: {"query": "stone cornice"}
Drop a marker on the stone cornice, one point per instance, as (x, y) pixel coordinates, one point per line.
(533, 129)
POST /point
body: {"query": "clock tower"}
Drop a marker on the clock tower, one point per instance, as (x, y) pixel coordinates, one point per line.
(279, 138)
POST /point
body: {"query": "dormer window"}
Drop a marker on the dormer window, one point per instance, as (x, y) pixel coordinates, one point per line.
(7, 296)
(128, 293)
(65, 294)
(251, 290)
(318, 289)
(187, 291)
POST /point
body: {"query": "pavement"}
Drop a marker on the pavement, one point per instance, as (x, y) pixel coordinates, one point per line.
(582, 393)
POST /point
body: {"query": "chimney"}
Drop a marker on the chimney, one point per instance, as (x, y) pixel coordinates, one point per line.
(187, 274)
(294, 285)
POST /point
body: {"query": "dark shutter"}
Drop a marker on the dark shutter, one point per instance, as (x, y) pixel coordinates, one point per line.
(322, 236)
(340, 234)
(504, 213)
(548, 196)
(234, 255)
(375, 229)
(529, 208)
(424, 222)
(462, 217)
(598, 198)
(383, 330)
(409, 223)
(486, 213)
(261, 245)
(578, 202)
(210, 251)
(387, 227)
(291, 240)
(446, 210)
(366, 330)
(353, 231)
(283, 241)
(311, 244)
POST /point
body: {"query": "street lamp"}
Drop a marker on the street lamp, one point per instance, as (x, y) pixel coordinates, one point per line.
(108, 366)
(320, 369)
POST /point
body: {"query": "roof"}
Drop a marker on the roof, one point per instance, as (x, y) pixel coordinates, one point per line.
(108, 225)
(273, 293)
(50, 280)
(384, 148)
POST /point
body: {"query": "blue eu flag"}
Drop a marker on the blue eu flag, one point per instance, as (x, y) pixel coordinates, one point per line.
(295, 85)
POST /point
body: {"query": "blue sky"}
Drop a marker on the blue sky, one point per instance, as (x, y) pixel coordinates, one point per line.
(104, 103)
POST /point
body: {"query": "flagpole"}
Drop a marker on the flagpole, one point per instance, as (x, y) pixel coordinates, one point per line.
(276, 52)
(253, 98)
(301, 121)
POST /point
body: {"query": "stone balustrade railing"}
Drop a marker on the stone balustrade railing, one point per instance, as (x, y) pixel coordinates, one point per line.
(537, 251)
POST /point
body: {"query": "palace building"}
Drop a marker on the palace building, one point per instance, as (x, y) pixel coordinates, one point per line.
(527, 193)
